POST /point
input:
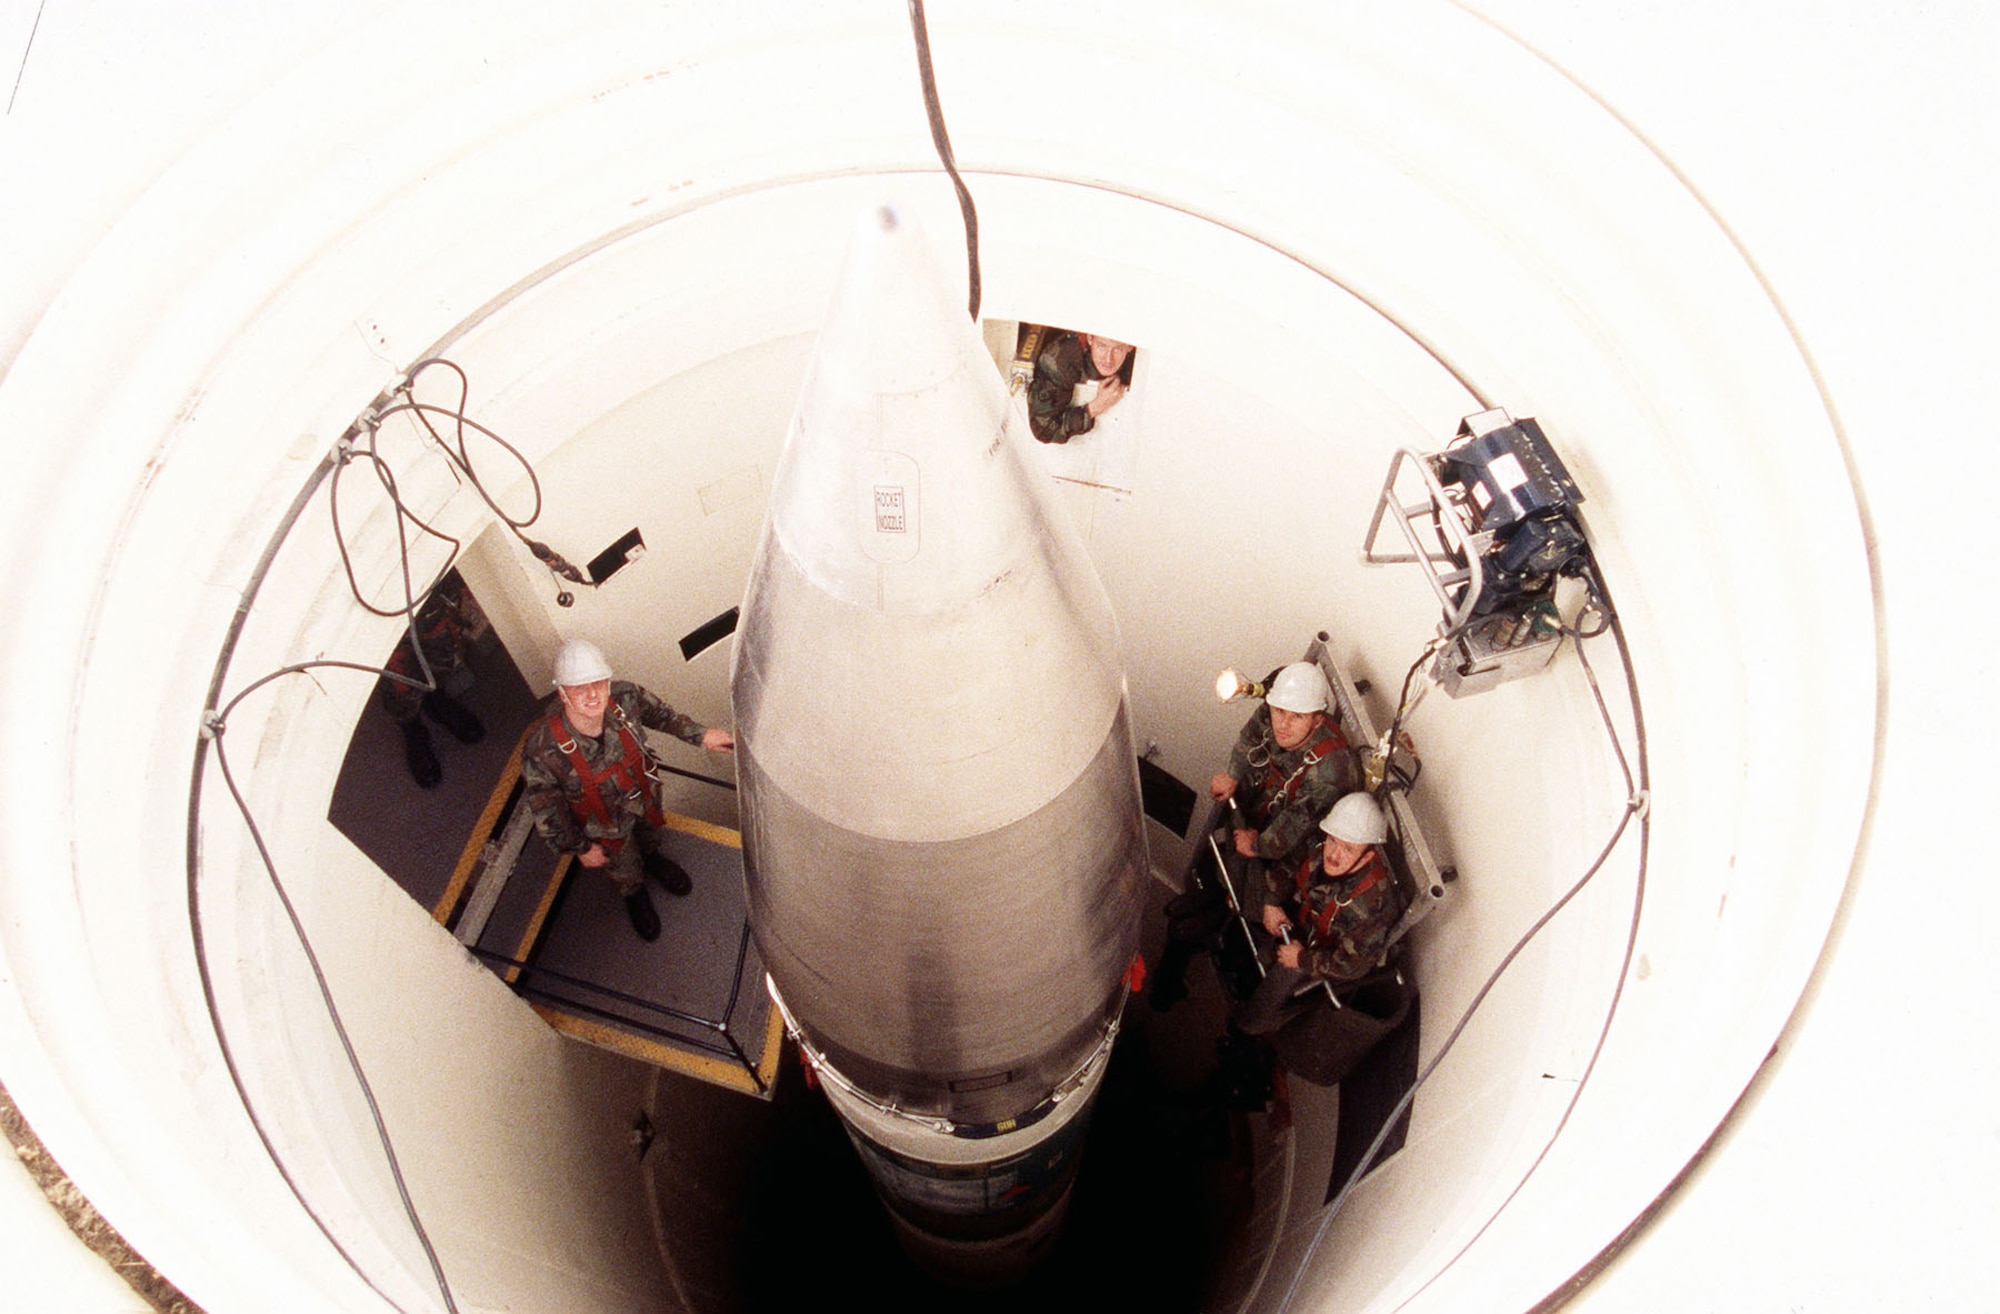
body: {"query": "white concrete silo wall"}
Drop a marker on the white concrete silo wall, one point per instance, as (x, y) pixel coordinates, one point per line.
(1195, 186)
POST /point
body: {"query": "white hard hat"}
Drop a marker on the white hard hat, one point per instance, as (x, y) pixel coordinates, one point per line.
(579, 661)
(1356, 818)
(1299, 688)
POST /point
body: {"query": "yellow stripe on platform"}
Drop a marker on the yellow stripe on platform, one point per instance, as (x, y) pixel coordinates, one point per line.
(774, 1038)
(707, 830)
(534, 929)
(702, 1067)
(482, 831)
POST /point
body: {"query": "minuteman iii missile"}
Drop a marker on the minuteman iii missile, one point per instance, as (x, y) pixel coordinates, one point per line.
(941, 821)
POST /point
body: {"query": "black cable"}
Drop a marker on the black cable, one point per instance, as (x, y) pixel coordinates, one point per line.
(387, 478)
(1403, 703)
(457, 454)
(359, 443)
(462, 456)
(259, 573)
(1635, 805)
(195, 931)
(216, 728)
(942, 141)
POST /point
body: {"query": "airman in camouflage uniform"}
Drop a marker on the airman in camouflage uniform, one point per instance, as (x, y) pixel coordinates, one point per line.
(1347, 914)
(447, 623)
(1285, 773)
(589, 784)
(1289, 766)
(1340, 904)
(1064, 361)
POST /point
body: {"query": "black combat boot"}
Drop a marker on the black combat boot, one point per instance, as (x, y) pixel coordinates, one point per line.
(645, 918)
(463, 723)
(417, 752)
(668, 873)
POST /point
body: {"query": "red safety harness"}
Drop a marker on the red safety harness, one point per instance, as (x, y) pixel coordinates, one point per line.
(1275, 790)
(1321, 920)
(631, 772)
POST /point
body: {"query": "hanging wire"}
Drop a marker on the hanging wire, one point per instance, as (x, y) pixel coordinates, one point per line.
(1636, 805)
(363, 444)
(360, 442)
(214, 730)
(942, 141)
(195, 928)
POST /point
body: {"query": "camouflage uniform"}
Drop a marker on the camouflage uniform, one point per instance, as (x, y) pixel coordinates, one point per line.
(1063, 363)
(1346, 919)
(1284, 793)
(447, 622)
(554, 790)
(1342, 925)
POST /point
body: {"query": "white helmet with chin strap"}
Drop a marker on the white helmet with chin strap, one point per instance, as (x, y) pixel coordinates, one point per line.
(1356, 818)
(1299, 688)
(580, 661)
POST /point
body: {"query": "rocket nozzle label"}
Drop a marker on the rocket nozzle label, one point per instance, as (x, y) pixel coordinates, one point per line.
(892, 507)
(889, 513)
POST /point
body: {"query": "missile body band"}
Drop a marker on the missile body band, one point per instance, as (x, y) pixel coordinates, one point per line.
(941, 819)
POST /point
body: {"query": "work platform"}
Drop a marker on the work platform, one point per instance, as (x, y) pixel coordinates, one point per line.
(692, 1001)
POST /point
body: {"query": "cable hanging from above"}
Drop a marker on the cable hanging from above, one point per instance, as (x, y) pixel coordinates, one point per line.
(942, 140)
(1637, 800)
(360, 443)
(363, 443)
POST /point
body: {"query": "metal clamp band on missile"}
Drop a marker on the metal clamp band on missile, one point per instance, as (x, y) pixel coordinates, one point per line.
(941, 821)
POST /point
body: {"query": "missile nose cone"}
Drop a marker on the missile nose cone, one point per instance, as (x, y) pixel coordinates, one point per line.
(941, 825)
(916, 567)
(899, 448)
(894, 326)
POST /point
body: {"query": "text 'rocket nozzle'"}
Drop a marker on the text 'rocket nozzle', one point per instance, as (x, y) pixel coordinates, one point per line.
(941, 814)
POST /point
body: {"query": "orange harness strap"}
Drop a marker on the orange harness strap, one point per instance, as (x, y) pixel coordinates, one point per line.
(630, 772)
(1275, 789)
(1321, 922)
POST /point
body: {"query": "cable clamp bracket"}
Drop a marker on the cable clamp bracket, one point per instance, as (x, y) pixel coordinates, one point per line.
(1640, 803)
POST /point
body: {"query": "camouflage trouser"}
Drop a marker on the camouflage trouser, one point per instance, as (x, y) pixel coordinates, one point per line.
(627, 868)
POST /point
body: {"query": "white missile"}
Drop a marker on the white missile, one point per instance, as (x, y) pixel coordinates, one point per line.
(941, 817)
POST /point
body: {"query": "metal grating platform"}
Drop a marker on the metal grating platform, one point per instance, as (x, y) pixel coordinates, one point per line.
(692, 1001)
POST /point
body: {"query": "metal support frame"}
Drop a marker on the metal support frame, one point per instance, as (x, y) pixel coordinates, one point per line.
(1459, 548)
(496, 867)
(1419, 862)
(1480, 652)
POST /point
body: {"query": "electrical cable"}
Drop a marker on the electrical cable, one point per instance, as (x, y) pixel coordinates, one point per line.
(252, 587)
(458, 456)
(1637, 799)
(358, 442)
(215, 728)
(1405, 703)
(195, 929)
(387, 478)
(934, 111)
